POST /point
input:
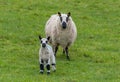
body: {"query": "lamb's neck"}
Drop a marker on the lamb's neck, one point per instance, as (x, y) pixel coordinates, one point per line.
(46, 48)
(43, 49)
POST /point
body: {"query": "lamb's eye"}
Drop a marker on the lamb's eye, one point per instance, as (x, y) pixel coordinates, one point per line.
(41, 41)
(46, 41)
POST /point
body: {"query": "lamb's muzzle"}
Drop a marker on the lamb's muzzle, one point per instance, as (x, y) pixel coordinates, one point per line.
(43, 45)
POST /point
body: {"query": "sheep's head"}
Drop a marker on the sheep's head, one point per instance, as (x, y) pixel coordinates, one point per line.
(64, 19)
(44, 41)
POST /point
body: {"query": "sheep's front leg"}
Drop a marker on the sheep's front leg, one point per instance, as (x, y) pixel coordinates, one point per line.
(41, 66)
(55, 49)
(48, 66)
(66, 50)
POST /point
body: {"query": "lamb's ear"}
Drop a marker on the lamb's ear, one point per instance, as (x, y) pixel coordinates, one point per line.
(48, 38)
(68, 14)
(59, 13)
(40, 37)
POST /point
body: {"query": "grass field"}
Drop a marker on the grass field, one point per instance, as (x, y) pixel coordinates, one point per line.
(95, 55)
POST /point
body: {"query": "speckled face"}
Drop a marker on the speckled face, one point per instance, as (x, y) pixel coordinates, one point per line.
(64, 18)
(44, 41)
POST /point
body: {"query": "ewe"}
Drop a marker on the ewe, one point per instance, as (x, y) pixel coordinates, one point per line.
(46, 56)
(62, 30)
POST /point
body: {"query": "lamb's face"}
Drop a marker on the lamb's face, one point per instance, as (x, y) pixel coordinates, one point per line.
(43, 41)
(64, 19)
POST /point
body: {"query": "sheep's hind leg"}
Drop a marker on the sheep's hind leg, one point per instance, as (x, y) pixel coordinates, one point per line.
(66, 50)
(63, 51)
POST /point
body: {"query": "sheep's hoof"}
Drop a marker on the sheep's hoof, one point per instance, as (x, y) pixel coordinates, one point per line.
(68, 58)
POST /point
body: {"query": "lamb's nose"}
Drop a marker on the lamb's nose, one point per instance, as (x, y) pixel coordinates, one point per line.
(43, 45)
(64, 25)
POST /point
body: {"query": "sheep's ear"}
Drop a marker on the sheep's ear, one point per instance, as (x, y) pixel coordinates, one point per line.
(59, 13)
(40, 37)
(48, 38)
(68, 14)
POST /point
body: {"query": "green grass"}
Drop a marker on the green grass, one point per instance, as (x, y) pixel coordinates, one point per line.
(95, 55)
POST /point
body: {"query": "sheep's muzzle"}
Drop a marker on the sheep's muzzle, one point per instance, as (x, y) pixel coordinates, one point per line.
(64, 25)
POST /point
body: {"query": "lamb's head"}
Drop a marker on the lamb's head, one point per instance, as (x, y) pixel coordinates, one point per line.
(44, 41)
(64, 19)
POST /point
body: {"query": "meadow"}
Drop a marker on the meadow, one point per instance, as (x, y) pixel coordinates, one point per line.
(95, 55)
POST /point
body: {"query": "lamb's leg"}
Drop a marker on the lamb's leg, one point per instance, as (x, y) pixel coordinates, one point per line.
(53, 67)
(41, 66)
(53, 63)
(48, 66)
(66, 50)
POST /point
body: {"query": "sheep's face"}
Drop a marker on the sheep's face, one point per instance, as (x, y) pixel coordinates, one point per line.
(44, 41)
(64, 19)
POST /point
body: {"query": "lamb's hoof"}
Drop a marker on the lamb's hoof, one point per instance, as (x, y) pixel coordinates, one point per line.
(41, 72)
(54, 70)
(48, 73)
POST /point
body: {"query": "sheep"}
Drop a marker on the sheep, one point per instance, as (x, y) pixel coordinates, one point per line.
(46, 56)
(62, 30)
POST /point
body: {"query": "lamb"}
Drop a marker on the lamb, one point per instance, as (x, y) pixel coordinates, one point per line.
(62, 30)
(46, 56)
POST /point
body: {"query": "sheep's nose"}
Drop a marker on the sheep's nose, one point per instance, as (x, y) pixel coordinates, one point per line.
(43, 45)
(64, 25)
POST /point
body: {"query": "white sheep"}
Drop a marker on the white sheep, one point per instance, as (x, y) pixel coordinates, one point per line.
(62, 30)
(46, 55)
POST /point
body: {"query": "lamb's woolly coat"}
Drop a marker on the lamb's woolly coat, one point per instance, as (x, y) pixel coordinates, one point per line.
(63, 37)
(47, 54)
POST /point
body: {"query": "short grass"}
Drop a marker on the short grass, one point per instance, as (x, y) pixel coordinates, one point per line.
(95, 55)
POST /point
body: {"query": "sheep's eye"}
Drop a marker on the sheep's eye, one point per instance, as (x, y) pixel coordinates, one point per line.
(67, 18)
(46, 41)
